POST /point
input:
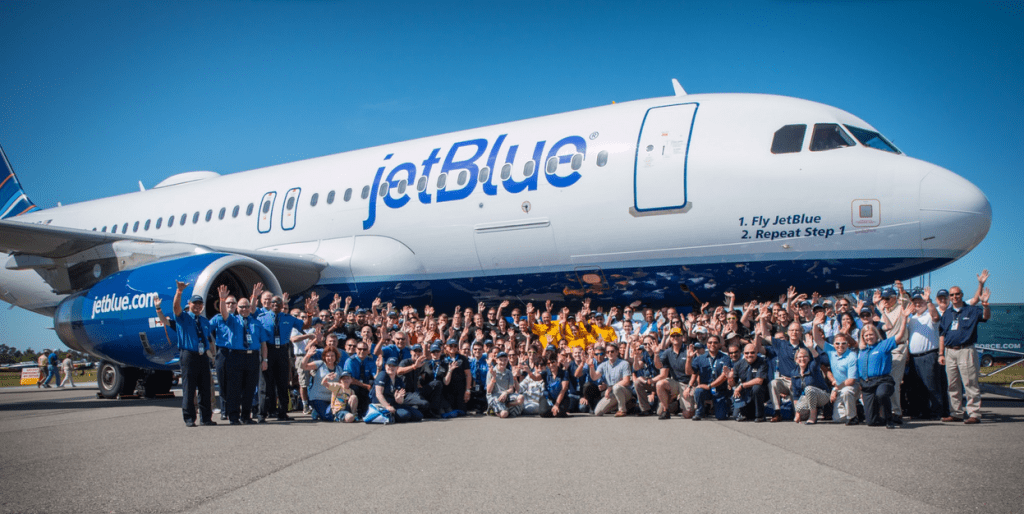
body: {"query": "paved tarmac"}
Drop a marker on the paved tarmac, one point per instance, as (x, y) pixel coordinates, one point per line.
(67, 451)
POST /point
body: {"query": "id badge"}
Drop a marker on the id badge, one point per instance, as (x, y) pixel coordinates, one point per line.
(248, 339)
(955, 325)
(277, 341)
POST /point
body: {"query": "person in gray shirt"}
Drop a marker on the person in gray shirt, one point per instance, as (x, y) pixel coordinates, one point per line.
(501, 389)
(617, 376)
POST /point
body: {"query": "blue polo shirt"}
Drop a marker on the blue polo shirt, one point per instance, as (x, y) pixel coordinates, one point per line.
(393, 350)
(844, 367)
(708, 368)
(786, 354)
(876, 361)
(553, 383)
(363, 371)
(285, 323)
(478, 370)
(812, 377)
(221, 331)
(648, 370)
(188, 337)
(960, 328)
(675, 362)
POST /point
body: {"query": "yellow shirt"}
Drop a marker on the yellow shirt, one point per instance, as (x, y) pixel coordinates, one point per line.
(547, 333)
(606, 333)
(579, 338)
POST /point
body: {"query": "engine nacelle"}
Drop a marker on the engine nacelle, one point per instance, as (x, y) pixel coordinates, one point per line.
(116, 320)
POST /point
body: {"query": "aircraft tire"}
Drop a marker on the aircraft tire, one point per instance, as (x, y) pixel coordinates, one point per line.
(157, 382)
(109, 379)
(986, 361)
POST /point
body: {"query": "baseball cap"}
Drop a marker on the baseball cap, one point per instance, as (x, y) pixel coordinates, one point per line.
(436, 347)
(942, 292)
(917, 296)
(415, 348)
(698, 345)
(731, 335)
(550, 347)
(345, 374)
(864, 311)
(700, 330)
(196, 298)
(488, 342)
(818, 307)
(502, 354)
(888, 292)
(676, 331)
(805, 303)
(452, 342)
(391, 362)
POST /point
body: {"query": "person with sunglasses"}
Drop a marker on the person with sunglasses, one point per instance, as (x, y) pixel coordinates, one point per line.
(672, 375)
(958, 332)
(644, 372)
(275, 378)
(363, 369)
(748, 379)
(617, 378)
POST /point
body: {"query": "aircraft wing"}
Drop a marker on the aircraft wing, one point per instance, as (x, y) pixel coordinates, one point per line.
(56, 252)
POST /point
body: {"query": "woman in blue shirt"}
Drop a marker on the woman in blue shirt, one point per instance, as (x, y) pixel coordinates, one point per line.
(808, 387)
(874, 365)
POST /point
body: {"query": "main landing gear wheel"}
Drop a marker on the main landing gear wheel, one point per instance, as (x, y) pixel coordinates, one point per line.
(114, 380)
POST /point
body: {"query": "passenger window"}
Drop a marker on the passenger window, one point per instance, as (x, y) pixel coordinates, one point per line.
(135, 227)
(170, 221)
(383, 190)
(104, 229)
(182, 221)
(223, 211)
(313, 199)
(552, 165)
(113, 229)
(463, 176)
(234, 212)
(348, 194)
(124, 228)
(829, 136)
(485, 173)
(577, 161)
(401, 187)
(506, 171)
(248, 210)
(195, 218)
(441, 180)
(789, 139)
(146, 226)
(528, 169)
(159, 221)
(421, 184)
(266, 206)
(209, 215)
(602, 158)
(330, 198)
(291, 203)
(366, 192)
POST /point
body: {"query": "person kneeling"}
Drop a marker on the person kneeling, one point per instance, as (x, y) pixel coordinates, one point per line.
(389, 393)
(501, 389)
(808, 388)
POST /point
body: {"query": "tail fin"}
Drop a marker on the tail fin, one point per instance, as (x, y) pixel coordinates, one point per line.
(13, 200)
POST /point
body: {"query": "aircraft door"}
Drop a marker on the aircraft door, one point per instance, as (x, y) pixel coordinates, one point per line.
(659, 174)
(266, 214)
(291, 204)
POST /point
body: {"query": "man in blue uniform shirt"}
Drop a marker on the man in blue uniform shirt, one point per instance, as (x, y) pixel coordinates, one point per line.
(363, 369)
(785, 352)
(708, 379)
(245, 347)
(275, 377)
(193, 335)
(748, 379)
(958, 331)
(222, 338)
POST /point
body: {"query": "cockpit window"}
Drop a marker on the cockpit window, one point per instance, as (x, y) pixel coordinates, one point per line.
(789, 139)
(829, 136)
(872, 139)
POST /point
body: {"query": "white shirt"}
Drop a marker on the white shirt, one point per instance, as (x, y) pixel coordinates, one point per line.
(924, 333)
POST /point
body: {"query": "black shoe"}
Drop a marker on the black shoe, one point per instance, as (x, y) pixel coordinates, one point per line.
(223, 417)
(741, 417)
(261, 420)
(664, 415)
(890, 425)
(190, 423)
(645, 413)
(284, 417)
(248, 421)
(696, 417)
(852, 422)
(208, 423)
(898, 420)
(235, 422)
(760, 420)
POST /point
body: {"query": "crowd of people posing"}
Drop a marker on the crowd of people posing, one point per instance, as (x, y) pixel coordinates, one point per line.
(803, 357)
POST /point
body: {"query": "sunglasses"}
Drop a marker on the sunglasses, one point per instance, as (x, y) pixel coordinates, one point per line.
(749, 353)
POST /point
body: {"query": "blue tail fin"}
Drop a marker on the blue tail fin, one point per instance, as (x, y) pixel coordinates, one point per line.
(13, 200)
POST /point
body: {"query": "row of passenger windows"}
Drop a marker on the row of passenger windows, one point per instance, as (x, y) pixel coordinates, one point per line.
(827, 136)
(575, 162)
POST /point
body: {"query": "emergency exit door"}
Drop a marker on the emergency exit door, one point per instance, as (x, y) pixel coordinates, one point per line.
(659, 174)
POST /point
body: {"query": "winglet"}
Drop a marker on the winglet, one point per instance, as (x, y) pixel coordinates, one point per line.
(677, 88)
(13, 200)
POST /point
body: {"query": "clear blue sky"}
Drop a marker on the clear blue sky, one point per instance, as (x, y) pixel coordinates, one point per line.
(95, 96)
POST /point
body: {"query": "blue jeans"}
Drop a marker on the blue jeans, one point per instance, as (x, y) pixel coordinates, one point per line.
(322, 408)
(52, 373)
(719, 398)
(407, 415)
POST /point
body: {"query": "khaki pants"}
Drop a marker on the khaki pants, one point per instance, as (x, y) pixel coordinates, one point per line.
(846, 404)
(780, 387)
(675, 389)
(962, 371)
(620, 398)
(642, 391)
(899, 365)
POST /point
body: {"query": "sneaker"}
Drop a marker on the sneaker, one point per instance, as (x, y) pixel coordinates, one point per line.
(223, 416)
(209, 423)
(248, 421)
(741, 417)
(261, 420)
(852, 422)
(307, 410)
(762, 419)
(665, 415)
(190, 423)
(696, 417)
(890, 425)
(235, 422)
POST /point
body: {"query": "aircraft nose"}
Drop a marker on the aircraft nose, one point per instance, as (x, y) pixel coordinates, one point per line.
(955, 214)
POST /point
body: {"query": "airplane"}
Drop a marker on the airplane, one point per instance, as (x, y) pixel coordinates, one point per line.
(662, 201)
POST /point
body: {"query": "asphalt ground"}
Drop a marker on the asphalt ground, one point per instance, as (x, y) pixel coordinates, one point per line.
(67, 451)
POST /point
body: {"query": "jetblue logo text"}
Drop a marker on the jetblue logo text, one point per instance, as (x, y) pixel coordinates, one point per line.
(467, 155)
(115, 303)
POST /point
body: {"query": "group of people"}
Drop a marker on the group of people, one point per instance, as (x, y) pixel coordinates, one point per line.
(803, 357)
(51, 366)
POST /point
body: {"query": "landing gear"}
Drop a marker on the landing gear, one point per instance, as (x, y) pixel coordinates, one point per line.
(114, 380)
(155, 383)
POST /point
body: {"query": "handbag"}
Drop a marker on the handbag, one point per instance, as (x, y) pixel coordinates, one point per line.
(377, 415)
